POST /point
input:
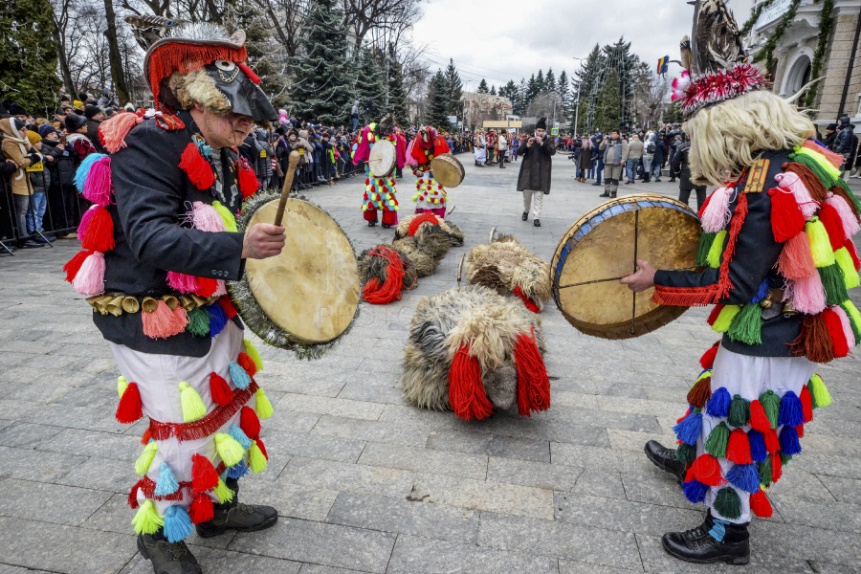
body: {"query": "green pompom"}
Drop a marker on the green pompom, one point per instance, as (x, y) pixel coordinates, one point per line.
(686, 453)
(854, 319)
(198, 322)
(771, 403)
(717, 441)
(727, 503)
(765, 471)
(739, 411)
(725, 318)
(706, 240)
(785, 459)
(835, 284)
(747, 325)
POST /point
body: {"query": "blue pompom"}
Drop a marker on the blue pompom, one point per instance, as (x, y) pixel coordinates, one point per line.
(791, 412)
(239, 436)
(84, 169)
(789, 443)
(744, 477)
(177, 524)
(217, 319)
(718, 405)
(239, 376)
(757, 446)
(695, 491)
(761, 293)
(688, 431)
(166, 483)
(238, 470)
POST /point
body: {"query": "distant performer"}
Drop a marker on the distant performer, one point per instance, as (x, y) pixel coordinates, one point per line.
(534, 177)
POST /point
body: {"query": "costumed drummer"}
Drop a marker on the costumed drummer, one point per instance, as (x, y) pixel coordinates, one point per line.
(158, 244)
(380, 191)
(430, 195)
(779, 260)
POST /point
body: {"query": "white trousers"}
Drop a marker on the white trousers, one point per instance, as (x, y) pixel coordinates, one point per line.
(535, 199)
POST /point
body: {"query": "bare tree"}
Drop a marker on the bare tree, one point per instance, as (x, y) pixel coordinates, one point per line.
(114, 55)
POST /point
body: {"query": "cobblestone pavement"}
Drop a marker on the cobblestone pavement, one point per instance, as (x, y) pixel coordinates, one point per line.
(366, 484)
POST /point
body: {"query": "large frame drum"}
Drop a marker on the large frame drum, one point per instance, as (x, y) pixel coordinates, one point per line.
(382, 159)
(447, 170)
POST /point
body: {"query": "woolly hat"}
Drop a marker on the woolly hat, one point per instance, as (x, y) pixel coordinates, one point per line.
(831, 127)
(542, 124)
(74, 122)
(17, 110)
(33, 137)
(90, 111)
(46, 129)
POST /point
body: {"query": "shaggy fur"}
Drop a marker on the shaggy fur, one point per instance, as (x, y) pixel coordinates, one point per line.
(455, 235)
(376, 267)
(198, 87)
(490, 323)
(506, 264)
(423, 263)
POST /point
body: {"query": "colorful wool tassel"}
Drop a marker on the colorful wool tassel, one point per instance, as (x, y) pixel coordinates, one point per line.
(706, 241)
(787, 220)
(198, 322)
(256, 460)
(247, 179)
(219, 389)
(791, 412)
(206, 287)
(688, 431)
(760, 505)
(240, 378)
(192, 405)
(248, 422)
(765, 472)
(201, 509)
(772, 442)
(695, 491)
(206, 218)
(85, 220)
(113, 131)
(198, 170)
(230, 451)
(238, 470)
(717, 441)
(466, 391)
(758, 452)
(226, 217)
(239, 436)
(834, 284)
(217, 319)
(738, 448)
(746, 327)
(122, 385)
(739, 411)
(805, 197)
(203, 474)
(706, 470)
(844, 211)
(130, 408)
(758, 419)
(853, 254)
(99, 232)
(98, 187)
(814, 340)
(707, 361)
(807, 295)
(74, 265)
(771, 405)
(836, 159)
(744, 477)
(725, 318)
(717, 213)
(789, 443)
(147, 520)
(144, 461)
(90, 278)
(244, 361)
(839, 341)
(806, 404)
(533, 383)
(820, 397)
(182, 282)
(166, 483)
(820, 244)
(132, 499)
(162, 323)
(854, 319)
(718, 405)
(727, 503)
(776, 467)
(262, 405)
(177, 524)
(701, 391)
(716, 249)
(833, 226)
(796, 260)
(252, 352)
(686, 453)
(223, 492)
(83, 170)
(851, 279)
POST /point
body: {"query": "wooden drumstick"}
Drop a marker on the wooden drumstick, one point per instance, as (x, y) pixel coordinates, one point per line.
(292, 163)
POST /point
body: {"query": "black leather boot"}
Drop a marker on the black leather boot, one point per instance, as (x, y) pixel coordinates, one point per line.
(524, 216)
(605, 194)
(167, 558)
(237, 516)
(697, 545)
(665, 459)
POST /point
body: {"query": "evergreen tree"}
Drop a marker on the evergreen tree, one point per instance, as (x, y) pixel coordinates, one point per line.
(563, 88)
(520, 105)
(620, 58)
(322, 87)
(397, 93)
(532, 90)
(608, 113)
(455, 89)
(540, 85)
(493, 90)
(371, 85)
(28, 55)
(509, 90)
(437, 110)
(482, 87)
(589, 79)
(550, 81)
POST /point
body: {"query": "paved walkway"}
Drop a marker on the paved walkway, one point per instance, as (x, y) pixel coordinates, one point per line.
(366, 484)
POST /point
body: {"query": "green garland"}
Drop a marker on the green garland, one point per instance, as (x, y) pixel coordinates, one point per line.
(826, 26)
(767, 51)
(754, 16)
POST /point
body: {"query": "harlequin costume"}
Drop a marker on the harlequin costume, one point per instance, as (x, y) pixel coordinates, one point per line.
(158, 245)
(779, 260)
(430, 194)
(380, 192)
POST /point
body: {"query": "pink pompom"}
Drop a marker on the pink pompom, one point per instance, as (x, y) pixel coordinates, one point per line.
(182, 282)
(163, 323)
(113, 131)
(220, 288)
(847, 218)
(411, 161)
(717, 213)
(790, 180)
(90, 279)
(98, 187)
(847, 326)
(85, 220)
(807, 295)
(206, 218)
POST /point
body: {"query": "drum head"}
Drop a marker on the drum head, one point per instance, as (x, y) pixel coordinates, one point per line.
(447, 170)
(603, 245)
(381, 160)
(310, 292)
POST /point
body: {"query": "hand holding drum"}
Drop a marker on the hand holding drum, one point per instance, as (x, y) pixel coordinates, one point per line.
(264, 240)
(641, 279)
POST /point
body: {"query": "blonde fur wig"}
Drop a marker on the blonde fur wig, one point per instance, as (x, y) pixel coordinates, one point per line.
(197, 87)
(727, 138)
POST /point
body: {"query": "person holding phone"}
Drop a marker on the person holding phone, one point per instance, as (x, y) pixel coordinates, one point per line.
(534, 177)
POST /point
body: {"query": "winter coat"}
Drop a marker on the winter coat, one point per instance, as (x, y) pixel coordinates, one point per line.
(63, 166)
(536, 167)
(680, 164)
(660, 151)
(619, 151)
(847, 142)
(635, 149)
(21, 153)
(585, 160)
(93, 135)
(830, 140)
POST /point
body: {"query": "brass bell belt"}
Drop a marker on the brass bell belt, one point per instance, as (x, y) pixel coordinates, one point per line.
(118, 303)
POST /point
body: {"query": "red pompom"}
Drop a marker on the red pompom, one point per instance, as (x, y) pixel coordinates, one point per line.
(758, 419)
(219, 389)
(800, 431)
(247, 363)
(248, 183)
(133, 495)
(760, 505)
(772, 442)
(850, 247)
(201, 509)
(227, 306)
(533, 383)
(206, 287)
(99, 234)
(73, 265)
(830, 218)
(836, 333)
(249, 423)
(776, 467)
(203, 475)
(466, 391)
(738, 448)
(787, 221)
(706, 469)
(707, 361)
(806, 404)
(262, 448)
(130, 408)
(198, 170)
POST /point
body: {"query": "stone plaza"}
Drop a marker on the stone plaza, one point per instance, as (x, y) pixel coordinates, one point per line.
(364, 483)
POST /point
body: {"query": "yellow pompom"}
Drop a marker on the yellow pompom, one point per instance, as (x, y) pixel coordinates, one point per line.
(192, 405)
(820, 245)
(122, 385)
(256, 461)
(147, 520)
(252, 352)
(850, 275)
(725, 318)
(144, 461)
(230, 451)
(228, 218)
(223, 492)
(262, 405)
(716, 249)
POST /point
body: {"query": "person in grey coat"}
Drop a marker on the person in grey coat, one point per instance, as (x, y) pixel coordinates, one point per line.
(614, 151)
(534, 177)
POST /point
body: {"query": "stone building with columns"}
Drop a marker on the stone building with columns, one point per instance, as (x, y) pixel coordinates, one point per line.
(839, 91)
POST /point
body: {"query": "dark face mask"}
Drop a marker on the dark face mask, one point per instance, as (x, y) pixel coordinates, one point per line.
(246, 97)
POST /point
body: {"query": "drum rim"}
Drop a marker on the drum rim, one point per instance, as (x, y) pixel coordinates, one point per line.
(449, 159)
(394, 159)
(240, 291)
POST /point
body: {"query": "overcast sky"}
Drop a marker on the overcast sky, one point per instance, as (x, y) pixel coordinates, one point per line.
(510, 39)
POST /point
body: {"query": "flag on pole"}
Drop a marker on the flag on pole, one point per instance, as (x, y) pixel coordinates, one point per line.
(663, 63)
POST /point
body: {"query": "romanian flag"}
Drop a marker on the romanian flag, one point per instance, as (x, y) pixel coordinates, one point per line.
(662, 64)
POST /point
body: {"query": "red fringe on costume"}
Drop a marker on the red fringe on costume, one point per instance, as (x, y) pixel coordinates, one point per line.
(207, 425)
(425, 217)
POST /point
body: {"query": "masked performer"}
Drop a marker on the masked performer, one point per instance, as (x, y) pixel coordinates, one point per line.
(380, 192)
(779, 260)
(430, 194)
(158, 245)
